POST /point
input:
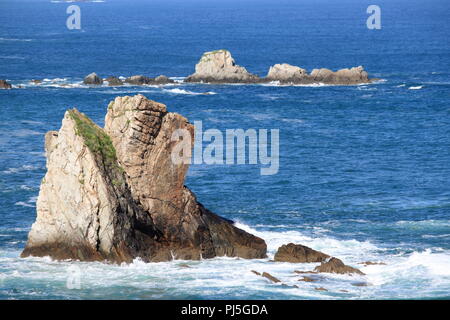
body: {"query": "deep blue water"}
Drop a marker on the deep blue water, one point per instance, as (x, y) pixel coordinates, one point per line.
(364, 170)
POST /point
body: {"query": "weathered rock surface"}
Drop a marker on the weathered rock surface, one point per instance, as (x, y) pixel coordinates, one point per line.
(335, 265)
(298, 253)
(270, 277)
(354, 75)
(307, 279)
(287, 73)
(93, 79)
(114, 194)
(5, 85)
(219, 67)
(114, 81)
(162, 79)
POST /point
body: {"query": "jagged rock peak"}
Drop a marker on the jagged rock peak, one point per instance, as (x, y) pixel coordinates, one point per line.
(114, 194)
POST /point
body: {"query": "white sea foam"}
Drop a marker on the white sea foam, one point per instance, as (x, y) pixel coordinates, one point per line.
(415, 87)
(403, 276)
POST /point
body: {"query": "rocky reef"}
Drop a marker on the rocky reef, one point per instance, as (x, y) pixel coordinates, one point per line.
(114, 194)
(219, 67)
(5, 85)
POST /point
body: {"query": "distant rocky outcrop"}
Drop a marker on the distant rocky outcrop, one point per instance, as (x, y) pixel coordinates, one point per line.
(5, 85)
(139, 80)
(93, 79)
(298, 253)
(219, 67)
(334, 265)
(287, 74)
(354, 75)
(114, 194)
(162, 79)
(114, 81)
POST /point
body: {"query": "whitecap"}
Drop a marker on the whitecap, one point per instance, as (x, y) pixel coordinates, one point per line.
(415, 87)
(15, 39)
(24, 204)
(182, 91)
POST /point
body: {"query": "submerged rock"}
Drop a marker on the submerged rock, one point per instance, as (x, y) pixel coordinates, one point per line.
(114, 81)
(371, 263)
(321, 289)
(270, 277)
(93, 79)
(287, 74)
(5, 85)
(334, 265)
(114, 193)
(307, 279)
(219, 67)
(298, 253)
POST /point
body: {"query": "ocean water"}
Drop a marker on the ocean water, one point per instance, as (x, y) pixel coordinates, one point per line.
(364, 170)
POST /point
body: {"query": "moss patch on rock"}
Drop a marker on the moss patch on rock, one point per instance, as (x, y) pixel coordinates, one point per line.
(98, 142)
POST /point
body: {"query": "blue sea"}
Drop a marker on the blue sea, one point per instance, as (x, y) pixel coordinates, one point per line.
(364, 170)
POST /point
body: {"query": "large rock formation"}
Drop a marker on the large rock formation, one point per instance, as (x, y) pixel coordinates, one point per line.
(219, 67)
(114, 194)
(92, 79)
(5, 85)
(298, 253)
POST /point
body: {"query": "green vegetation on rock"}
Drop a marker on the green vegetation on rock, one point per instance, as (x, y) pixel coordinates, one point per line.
(98, 142)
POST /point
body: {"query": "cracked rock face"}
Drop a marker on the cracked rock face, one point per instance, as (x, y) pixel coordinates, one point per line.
(219, 67)
(114, 194)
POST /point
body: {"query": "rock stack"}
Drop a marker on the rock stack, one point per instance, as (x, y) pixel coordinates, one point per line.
(114, 194)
